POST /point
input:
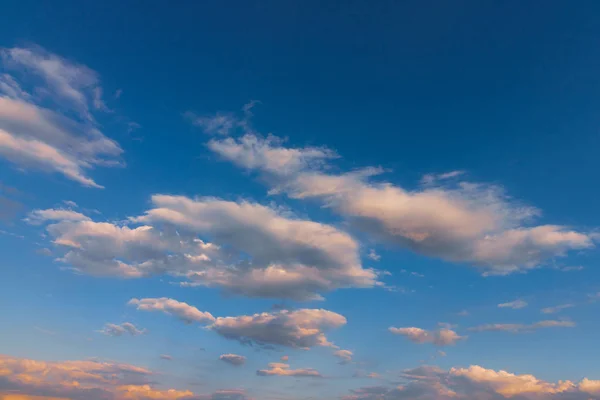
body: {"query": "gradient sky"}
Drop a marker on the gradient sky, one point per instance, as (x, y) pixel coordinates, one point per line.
(288, 200)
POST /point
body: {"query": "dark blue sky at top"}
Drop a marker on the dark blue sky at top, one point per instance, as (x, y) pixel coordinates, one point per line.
(506, 89)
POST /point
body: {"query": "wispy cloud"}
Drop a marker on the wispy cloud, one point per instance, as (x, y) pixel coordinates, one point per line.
(516, 304)
(555, 309)
(121, 329)
(55, 131)
(520, 328)
(280, 369)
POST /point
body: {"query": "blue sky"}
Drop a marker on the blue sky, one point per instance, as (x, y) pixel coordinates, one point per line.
(398, 197)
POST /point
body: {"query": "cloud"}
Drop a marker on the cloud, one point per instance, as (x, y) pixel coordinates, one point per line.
(183, 311)
(280, 369)
(220, 123)
(33, 136)
(11, 88)
(430, 179)
(72, 83)
(166, 357)
(439, 337)
(89, 380)
(290, 258)
(37, 217)
(255, 251)
(516, 304)
(121, 329)
(252, 152)
(476, 383)
(519, 328)
(72, 379)
(233, 359)
(373, 255)
(571, 268)
(555, 309)
(459, 221)
(303, 328)
(70, 203)
(345, 356)
(223, 123)
(285, 358)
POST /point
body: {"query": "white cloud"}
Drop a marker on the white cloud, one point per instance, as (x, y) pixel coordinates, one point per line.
(121, 329)
(555, 309)
(252, 152)
(519, 328)
(516, 304)
(233, 359)
(280, 369)
(345, 356)
(257, 251)
(183, 311)
(72, 83)
(461, 222)
(290, 258)
(166, 357)
(37, 217)
(303, 328)
(439, 337)
(33, 136)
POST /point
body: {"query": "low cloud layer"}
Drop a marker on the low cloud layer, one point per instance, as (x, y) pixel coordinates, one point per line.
(476, 383)
(90, 380)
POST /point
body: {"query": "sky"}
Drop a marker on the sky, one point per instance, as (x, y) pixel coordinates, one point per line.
(285, 200)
